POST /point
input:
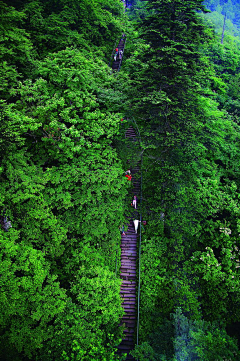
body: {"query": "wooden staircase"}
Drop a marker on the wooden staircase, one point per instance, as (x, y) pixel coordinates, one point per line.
(128, 268)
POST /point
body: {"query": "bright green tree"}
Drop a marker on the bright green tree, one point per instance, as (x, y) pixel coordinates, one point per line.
(31, 297)
(62, 187)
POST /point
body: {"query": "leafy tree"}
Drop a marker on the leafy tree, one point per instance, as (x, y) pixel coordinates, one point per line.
(86, 24)
(69, 146)
(189, 179)
(193, 340)
(144, 352)
(15, 49)
(201, 340)
(63, 188)
(89, 327)
(31, 297)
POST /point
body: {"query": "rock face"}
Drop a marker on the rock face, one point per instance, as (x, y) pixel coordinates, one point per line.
(6, 225)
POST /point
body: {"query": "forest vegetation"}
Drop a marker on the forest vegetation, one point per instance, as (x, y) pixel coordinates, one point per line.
(63, 189)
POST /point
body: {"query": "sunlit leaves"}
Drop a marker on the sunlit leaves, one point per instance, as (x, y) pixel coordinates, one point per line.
(30, 295)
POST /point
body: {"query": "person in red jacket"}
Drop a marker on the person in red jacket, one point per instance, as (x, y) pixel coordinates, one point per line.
(128, 176)
(116, 54)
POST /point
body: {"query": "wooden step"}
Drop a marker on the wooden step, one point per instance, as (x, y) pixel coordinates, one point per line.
(130, 324)
(128, 291)
(129, 308)
(133, 291)
(128, 321)
(128, 303)
(123, 347)
(125, 342)
(124, 256)
(126, 297)
(129, 243)
(129, 311)
(128, 335)
(125, 273)
(127, 286)
(127, 261)
(129, 330)
(129, 251)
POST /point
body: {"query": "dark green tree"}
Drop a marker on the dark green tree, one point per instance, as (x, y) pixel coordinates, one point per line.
(189, 171)
(15, 49)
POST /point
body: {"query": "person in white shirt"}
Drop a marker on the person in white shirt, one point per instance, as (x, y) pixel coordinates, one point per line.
(136, 222)
(134, 202)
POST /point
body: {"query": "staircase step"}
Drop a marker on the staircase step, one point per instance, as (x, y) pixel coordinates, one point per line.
(126, 297)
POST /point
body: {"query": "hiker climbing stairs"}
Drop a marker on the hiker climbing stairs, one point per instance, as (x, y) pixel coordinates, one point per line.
(128, 267)
(117, 63)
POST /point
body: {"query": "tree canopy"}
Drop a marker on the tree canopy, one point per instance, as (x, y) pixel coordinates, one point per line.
(62, 184)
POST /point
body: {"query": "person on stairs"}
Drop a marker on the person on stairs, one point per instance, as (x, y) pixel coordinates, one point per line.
(134, 202)
(116, 54)
(122, 230)
(136, 222)
(128, 174)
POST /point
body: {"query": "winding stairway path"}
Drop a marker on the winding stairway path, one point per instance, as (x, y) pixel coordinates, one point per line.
(128, 268)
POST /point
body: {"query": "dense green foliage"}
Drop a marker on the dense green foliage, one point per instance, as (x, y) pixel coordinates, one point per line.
(62, 184)
(61, 181)
(184, 98)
